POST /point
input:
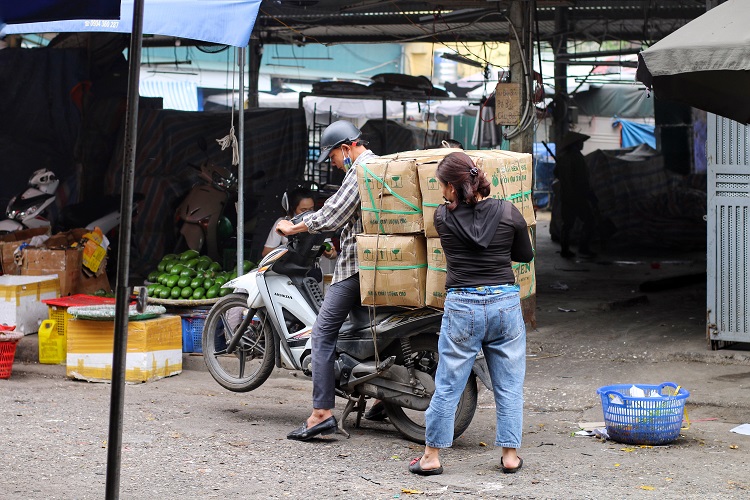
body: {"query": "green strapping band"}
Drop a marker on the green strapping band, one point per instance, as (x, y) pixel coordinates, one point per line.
(432, 205)
(383, 210)
(370, 174)
(391, 268)
(518, 195)
(440, 269)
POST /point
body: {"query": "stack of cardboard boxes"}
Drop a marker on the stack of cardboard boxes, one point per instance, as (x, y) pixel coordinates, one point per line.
(62, 255)
(401, 260)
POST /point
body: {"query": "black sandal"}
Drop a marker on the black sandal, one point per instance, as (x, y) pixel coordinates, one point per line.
(511, 470)
(416, 468)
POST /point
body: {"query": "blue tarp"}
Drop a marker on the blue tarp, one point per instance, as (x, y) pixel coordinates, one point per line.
(635, 134)
(16, 11)
(228, 22)
(544, 166)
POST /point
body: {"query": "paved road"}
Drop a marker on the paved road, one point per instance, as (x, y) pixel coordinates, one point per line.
(186, 437)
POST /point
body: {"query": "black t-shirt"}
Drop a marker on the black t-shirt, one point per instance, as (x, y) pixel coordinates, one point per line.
(480, 242)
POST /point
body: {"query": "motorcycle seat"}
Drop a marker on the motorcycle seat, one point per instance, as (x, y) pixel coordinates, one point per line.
(359, 320)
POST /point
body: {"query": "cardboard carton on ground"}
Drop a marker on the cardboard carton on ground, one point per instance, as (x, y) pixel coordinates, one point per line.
(11, 241)
(21, 300)
(390, 197)
(393, 269)
(154, 349)
(65, 263)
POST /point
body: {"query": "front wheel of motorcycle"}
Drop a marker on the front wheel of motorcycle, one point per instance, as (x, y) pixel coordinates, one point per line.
(252, 361)
(411, 423)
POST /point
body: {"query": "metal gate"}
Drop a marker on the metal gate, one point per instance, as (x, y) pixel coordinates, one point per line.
(728, 231)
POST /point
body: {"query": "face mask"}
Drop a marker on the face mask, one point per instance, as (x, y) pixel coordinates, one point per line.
(347, 161)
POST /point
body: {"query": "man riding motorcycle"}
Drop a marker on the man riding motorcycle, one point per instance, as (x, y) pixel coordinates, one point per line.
(342, 144)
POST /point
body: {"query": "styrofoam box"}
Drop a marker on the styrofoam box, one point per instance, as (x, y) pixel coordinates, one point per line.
(154, 349)
(21, 300)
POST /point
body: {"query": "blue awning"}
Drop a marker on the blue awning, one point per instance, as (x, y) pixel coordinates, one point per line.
(228, 22)
(14, 11)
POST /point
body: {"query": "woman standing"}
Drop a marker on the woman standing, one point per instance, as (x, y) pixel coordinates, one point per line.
(480, 237)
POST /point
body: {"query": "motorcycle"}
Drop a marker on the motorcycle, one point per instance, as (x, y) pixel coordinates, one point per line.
(79, 214)
(29, 209)
(387, 353)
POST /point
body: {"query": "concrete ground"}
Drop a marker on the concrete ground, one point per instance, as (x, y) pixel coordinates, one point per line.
(186, 437)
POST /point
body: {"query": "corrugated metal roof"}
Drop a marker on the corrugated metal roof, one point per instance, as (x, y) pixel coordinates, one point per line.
(339, 21)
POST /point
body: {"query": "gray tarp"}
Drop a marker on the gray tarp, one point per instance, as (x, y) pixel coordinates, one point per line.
(706, 63)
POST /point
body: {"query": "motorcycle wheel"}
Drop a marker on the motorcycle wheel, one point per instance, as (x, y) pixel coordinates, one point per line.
(411, 423)
(253, 360)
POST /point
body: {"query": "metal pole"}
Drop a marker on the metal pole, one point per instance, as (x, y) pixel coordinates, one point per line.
(241, 169)
(117, 398)
(560, 47)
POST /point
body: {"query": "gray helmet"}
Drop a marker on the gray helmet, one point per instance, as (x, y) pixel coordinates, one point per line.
(336, 134)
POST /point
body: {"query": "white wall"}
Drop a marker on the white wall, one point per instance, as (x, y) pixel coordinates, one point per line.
(603, 135)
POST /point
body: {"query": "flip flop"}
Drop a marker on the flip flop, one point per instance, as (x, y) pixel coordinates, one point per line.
(416, 468)
(511, 470)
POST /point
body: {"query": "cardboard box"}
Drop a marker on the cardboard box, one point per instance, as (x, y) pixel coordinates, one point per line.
(436, 274)
(11, 241)
(509, 174)
(21, 300)
(525, 273)
(393, 269)
(154, 349)
(390, 197)
(66, 264)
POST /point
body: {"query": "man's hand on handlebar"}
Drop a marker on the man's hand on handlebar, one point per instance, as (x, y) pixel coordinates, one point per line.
(288, 228)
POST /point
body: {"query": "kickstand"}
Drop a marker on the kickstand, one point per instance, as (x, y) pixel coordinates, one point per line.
(347, 411)
(361, 405)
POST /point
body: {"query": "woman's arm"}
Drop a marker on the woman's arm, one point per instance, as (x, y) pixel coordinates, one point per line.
(521, 249)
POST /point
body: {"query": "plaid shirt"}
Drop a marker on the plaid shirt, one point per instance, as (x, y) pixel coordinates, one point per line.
(343, 210)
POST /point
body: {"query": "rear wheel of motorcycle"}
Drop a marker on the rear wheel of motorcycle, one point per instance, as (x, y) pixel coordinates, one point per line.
(411, 423)
(253, 360)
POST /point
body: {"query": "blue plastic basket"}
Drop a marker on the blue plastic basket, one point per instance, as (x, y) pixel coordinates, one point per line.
(192, 332)
(647, 420)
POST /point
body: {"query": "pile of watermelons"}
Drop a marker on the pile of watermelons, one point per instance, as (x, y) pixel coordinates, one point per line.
(190, 276)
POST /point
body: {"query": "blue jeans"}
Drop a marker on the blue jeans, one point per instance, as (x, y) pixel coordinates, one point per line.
(487, 318)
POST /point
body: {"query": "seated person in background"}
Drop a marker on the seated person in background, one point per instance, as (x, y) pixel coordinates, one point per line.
(300, 201)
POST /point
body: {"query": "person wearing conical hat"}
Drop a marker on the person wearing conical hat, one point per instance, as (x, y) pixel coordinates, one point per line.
(575, 193)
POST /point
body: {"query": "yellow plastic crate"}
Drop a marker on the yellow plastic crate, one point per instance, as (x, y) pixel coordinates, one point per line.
(53, 333)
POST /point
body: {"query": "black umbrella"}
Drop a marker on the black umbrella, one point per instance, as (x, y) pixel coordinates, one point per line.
(705, 64)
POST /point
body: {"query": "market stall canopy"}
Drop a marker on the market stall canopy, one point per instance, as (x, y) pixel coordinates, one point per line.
(705, 64)
(13, 11)
(227, 22)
